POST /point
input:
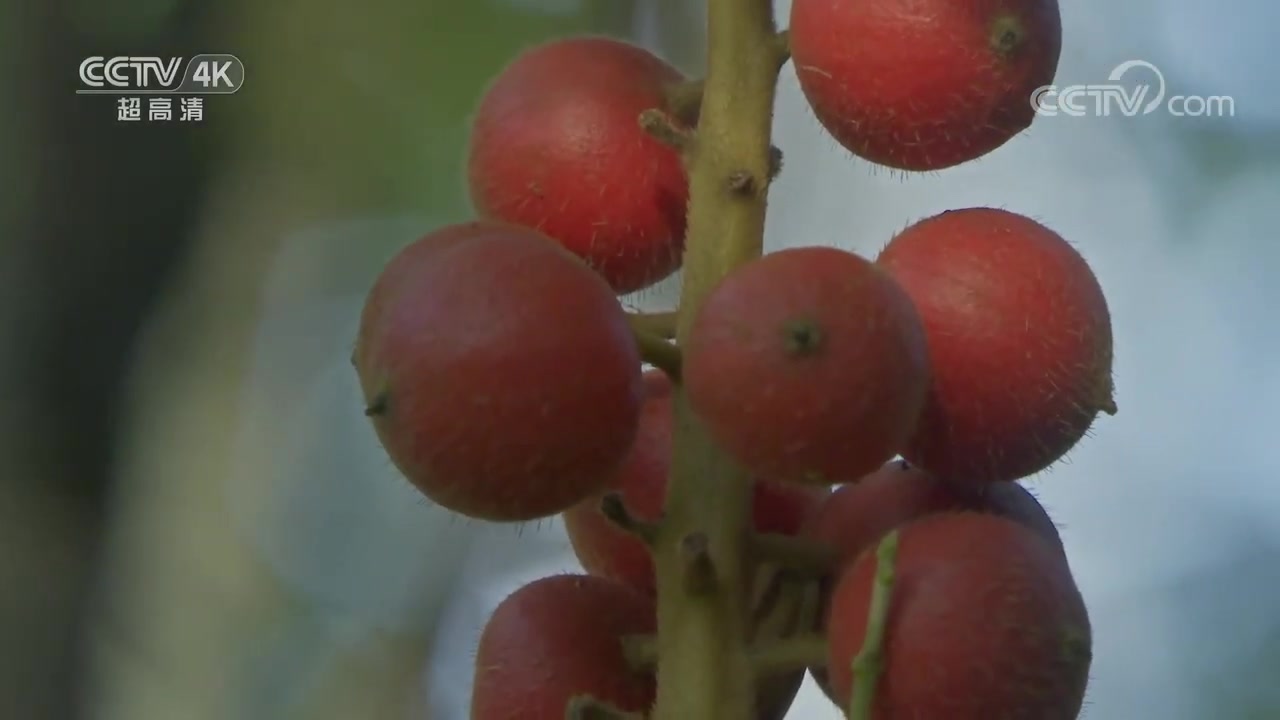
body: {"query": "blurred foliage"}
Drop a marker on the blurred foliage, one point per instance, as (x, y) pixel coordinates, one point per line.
(136, 21)
(372, 101)
(347, 114)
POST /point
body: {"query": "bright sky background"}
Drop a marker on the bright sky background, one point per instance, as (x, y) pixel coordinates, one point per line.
(1178, 482)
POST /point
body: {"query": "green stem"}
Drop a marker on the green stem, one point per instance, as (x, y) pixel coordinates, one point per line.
(666, 130)
(806, 557)
(705, 671)
(788, 654)
(659, 353)
(661, 324)
(684, 101)
(869, 662)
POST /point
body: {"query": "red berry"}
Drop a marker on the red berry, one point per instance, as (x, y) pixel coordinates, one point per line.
(808, 365)
(784, 508)
(856, 516)
(985, 622)
(499, 371)
(558, 638)
(605, 549)
(557, 145)
(1019, 340)
(924, 84)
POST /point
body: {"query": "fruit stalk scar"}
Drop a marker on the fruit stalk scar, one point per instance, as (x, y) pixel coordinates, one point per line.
(378, 405)
(705, 669)
(803, 338)
(1007, 35)
(869, 662)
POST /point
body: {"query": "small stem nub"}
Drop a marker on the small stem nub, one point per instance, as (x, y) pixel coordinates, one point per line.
(775, 162)
(1108, 403)
(613, 508)
(742, 182)
(377, 407)
(782, 47)
(584, 707)
(869, 662)
(664, 129)
(699, 570)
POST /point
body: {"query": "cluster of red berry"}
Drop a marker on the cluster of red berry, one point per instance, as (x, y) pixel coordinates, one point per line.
(505, 379)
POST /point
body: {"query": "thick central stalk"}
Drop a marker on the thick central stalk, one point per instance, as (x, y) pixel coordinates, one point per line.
(704, 669)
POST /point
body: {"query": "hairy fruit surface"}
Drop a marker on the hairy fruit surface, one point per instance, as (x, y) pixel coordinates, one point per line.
(499, 371)
(1019, 339)
(924, 84)
(558, 638)
(556, 145)
(808, 365)
(985, 621)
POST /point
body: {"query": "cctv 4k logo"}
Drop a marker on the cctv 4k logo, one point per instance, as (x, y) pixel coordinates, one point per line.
(207, 74)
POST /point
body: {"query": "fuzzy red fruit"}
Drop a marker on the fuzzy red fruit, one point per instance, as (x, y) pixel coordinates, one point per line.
(924, 84)
(556, 145)
(808, 365)
(499, 371)
(1019, 339)
(606, 550)
(855, 516)
(985, 622)
(559, 638)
